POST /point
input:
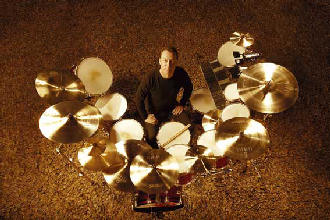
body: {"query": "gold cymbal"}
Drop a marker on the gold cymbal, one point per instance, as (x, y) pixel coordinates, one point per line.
(267, 88)
(117, 174)
(69, 122)
(154, 171)
(212, 119)
(241, 138)
(100, 156)
(56, 86)
(242, 40)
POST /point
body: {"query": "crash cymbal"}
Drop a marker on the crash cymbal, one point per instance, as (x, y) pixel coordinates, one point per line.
(69, 122)
(212, 119)
(117, 174)
(241, 139)
(154, 171)
(56, 86)
(267, 88)
(242, 40)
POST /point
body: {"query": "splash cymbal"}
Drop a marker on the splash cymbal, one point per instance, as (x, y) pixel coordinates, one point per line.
(242, 40)
(267, 88)
(117, 175)
(154, 171)
(241, 139)
(56, 86)
(69, 122)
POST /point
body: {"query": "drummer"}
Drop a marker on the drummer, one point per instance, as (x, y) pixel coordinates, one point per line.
(157, 93)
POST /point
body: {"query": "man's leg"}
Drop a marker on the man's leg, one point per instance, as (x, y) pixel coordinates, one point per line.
(151, 131)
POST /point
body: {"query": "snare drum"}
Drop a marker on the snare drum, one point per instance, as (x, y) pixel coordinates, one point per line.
(170, 129)
(231, 92)
(126, 129)
(225, 54)
(112, 106)
(95, 74)
(179, 152)
(235, 110)
(202, 101)
(166, 201)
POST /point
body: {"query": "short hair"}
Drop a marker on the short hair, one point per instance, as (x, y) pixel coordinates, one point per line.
(172, 50)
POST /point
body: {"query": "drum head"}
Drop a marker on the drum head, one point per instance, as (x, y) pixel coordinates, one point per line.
(95, 74)
(235, 110)
(112, 106)
(231, 92)
(126, 129)
(225, 54)
(170, 129)
(202, 101)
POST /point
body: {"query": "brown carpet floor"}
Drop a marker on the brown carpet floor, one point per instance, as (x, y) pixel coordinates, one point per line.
(41, 35)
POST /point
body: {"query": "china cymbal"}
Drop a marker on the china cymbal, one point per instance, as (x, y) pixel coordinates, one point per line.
(241, 139)
(117, 174)
(267, 88)
(154, 171)
(69, 122)
(242, 40)
(56, 86)
(212, 119)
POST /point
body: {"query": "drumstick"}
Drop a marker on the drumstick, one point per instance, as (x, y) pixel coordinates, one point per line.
(175, 136)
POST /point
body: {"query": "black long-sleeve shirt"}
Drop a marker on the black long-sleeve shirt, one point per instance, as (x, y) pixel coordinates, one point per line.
(157, 95)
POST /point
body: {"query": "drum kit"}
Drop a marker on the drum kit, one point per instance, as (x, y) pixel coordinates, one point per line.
(157, 176)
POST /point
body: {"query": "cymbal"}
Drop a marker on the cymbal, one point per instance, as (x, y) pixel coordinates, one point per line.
(212, 119)
(56, 86)
(99, 156)
(241, 139)
(69, 122)
(154, 171)
(267, 88)
(117, 174)
(242, 40)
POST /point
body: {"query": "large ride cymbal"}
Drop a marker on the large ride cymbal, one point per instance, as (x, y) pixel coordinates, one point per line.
(154, 171)
(117, 174)
(69, 122)
(241, 139)
(267, 88)
(56, 86)
(242, 40)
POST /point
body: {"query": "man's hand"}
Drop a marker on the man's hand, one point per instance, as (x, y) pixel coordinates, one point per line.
(177, 110)
(151, 119)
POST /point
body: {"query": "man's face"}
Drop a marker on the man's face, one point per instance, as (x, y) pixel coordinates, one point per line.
(167, 63)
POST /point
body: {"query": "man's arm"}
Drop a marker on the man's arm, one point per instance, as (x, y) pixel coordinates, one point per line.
(188, 87)
(141, 95)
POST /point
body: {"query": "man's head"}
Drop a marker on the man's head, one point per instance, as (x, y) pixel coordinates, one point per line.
(167, 61)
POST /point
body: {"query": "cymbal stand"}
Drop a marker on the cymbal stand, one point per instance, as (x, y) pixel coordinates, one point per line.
(267, 115)
(77, 168)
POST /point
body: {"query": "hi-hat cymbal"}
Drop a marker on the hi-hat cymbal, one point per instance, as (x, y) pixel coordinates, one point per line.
(69, 122)
(242, 40)
(212, 119)
(267, 88)
(56, 86)
(99, 156)
(241, 139)
(117, 174)
(154, 171)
